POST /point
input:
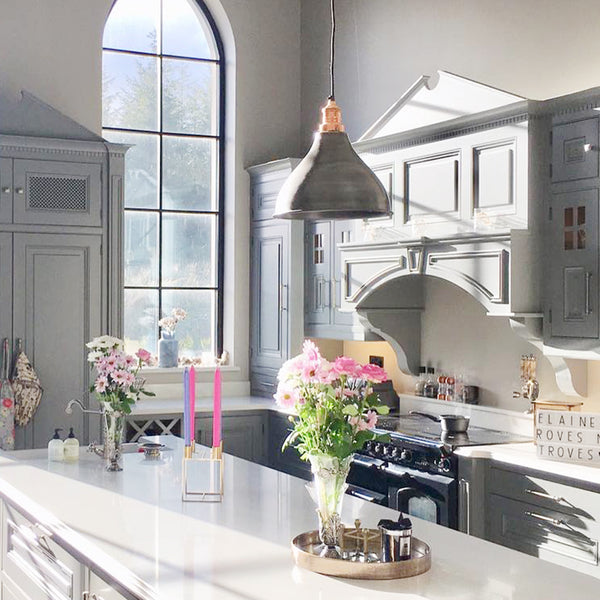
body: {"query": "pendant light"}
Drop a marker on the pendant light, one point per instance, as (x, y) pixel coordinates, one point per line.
(331, 181)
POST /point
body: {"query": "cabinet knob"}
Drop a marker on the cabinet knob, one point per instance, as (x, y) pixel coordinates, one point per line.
(20, 191)
(6, 190)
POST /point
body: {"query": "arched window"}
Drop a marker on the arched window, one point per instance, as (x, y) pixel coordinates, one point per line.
(163, 93)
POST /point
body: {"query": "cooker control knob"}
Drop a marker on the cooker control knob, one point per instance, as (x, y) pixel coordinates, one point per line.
(370, 446)
(444, 464)
(387, 450)
(406, 455)
(378, 448)
(396, 452)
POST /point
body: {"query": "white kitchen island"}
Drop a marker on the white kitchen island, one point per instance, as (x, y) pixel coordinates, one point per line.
(240, 548)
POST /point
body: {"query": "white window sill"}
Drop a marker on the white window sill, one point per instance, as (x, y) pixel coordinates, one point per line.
(199, 369)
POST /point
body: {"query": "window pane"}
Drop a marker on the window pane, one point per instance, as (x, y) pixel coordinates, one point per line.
(196, 332)
(189, 168)
(188, 243)
(189, 97)
(141, 248)
(141, 167)
(141, 320)
(185, 30)
(129, 91)
(133, 25)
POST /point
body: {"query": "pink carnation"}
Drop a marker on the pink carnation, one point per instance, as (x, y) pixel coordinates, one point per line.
(143, 355)
(373, 373)
(371, 419)
(347, 366)
(101, 384)
(311, 351)
(358, 422)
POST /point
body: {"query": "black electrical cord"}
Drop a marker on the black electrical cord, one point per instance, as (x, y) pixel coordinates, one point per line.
(332, 52)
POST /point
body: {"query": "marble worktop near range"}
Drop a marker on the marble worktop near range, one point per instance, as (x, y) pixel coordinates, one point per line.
(239, 549)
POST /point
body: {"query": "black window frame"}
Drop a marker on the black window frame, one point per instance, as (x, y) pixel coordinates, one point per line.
(220, 137)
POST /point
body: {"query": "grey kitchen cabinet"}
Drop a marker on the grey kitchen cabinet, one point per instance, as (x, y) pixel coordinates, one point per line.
(244, 434)
(50, 192)
(276, 280)
(325, 285)
(572, 271)
(60, 263)
(543, 515)
(573, 277)
(57, 288)
(288, 460)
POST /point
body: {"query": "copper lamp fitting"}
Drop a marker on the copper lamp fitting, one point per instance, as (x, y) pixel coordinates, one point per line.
(332, 118)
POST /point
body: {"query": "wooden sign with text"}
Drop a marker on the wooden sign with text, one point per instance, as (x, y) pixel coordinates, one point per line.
(568, 436)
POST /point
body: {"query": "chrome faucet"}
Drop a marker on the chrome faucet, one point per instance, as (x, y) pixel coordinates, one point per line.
(93, 447)
(69, 408)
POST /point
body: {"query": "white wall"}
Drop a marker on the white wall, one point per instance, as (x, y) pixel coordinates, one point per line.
(52, 48)
(535, 48)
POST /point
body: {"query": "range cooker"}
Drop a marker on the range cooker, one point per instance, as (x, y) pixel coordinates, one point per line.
(415, 469)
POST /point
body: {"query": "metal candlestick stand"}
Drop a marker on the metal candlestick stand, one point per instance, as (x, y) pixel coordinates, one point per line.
(202, 475)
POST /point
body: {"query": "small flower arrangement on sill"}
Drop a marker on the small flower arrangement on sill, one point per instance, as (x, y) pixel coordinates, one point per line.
(117, 389)
(336, 411)
(168, 346)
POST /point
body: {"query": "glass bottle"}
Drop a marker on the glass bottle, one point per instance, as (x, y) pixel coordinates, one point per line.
(420, 383)
(430, 388)
(441, 394)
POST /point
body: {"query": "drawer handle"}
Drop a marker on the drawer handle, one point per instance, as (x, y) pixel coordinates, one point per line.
(545, 519)
(557, 499)
(561, 523)
(20, 191)
(6, 190)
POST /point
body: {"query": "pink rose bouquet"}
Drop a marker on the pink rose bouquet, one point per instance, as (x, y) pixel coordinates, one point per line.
(335, 406)
(116, 373)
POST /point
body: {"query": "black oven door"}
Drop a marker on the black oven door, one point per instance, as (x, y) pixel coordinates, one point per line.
(367, 479)
(423, 495)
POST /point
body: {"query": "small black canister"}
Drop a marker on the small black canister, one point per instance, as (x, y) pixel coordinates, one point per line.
(395, 539)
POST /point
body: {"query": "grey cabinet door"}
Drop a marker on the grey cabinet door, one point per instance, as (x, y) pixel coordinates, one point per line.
(5, 285)
(57, 193)
(342, 233)
(573, 252)
(269, 312)
(57, 298)
(317, 285)
(243, 435)
(6, 190)
(574, 150)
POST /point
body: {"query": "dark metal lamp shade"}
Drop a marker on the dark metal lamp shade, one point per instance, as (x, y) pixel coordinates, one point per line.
(332, 182)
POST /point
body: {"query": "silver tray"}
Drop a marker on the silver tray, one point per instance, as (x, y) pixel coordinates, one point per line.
(307, 547)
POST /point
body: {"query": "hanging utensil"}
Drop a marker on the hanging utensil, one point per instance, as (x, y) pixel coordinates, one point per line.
(7, 404)
(27, 388)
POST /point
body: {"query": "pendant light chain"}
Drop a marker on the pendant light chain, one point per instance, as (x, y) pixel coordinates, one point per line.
(332, 52)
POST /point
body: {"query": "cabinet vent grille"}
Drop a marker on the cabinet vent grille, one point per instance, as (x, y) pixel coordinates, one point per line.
(46, 192)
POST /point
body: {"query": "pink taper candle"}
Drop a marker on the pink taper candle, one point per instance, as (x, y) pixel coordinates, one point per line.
(217, 408)
(192, 403)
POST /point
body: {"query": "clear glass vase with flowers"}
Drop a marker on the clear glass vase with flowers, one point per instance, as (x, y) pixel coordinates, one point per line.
(117, 388)
(335, 411)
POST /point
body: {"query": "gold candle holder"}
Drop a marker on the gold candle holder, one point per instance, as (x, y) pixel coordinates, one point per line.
(202, 476)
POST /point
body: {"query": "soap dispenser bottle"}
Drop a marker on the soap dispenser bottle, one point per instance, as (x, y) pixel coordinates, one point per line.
(71, 447)
(56, 449)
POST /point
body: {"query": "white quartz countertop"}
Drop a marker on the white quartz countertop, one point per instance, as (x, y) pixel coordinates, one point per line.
(524, 455)
(240, 548)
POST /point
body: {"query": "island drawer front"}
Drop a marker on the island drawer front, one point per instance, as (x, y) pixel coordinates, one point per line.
(36, 564)
(575, 502)
(541, 532)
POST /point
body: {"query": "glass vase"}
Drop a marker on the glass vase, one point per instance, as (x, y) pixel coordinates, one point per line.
(113, 422)
(168, 350)
(329, 485)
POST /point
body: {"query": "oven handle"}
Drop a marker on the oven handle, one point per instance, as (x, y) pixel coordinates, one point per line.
(363, 494)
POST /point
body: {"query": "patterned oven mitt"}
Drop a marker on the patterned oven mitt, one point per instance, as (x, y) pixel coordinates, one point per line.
(27, 389)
